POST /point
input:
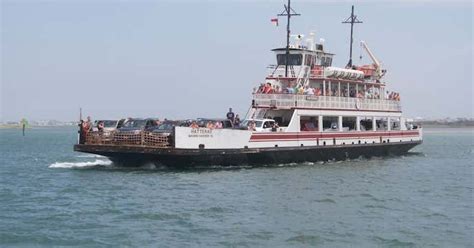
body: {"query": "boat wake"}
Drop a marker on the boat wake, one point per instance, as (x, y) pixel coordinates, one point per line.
(89, 156)
(68, 165)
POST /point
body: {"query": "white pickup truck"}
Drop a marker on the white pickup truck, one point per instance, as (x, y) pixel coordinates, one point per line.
(261, 125)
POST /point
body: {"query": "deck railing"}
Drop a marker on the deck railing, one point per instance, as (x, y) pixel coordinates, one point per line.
(324, 102)
(138, 138)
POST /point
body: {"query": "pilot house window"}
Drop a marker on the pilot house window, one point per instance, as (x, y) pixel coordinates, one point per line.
(309, 60)
(294, 59)
(326, 61)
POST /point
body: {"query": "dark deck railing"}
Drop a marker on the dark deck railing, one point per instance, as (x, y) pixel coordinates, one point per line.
(132, 138)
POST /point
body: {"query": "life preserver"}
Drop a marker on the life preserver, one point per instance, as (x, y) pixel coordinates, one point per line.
(357, 104)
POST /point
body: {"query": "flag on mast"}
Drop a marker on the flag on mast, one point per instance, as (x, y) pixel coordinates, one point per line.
(274, 21)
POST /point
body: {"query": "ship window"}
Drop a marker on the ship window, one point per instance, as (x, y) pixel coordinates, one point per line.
(294, 59)
(309, 59)
(308, 123)
(326, 61)
(330, 123)
(282, 117)
(349, 123)
(366, 124)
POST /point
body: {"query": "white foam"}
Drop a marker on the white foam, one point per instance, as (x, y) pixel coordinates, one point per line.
(97, 162)
(89, 156)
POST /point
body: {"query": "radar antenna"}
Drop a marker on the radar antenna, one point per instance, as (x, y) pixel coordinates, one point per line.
(288, 12)
(352, 20)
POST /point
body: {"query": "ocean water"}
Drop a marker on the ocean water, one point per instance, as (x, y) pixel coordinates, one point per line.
(52, 196)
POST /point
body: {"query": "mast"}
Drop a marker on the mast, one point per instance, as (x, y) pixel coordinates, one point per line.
(288, 12)
(352, 20)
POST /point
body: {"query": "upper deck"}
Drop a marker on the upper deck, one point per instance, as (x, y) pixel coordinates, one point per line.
(288, 101)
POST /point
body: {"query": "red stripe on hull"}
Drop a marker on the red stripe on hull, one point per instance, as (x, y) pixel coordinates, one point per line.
(313, 135)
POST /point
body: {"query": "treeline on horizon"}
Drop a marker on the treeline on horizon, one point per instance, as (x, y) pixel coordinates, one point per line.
(456, 123)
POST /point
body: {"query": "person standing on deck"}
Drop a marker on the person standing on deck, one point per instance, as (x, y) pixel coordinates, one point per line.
(236, 121)
(86, 126)
(230, 115)
(82, 136)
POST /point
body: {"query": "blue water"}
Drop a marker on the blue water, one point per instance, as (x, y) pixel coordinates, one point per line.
(52, 196)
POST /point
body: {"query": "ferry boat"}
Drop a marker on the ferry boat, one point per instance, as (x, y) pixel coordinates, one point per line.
(306, 110)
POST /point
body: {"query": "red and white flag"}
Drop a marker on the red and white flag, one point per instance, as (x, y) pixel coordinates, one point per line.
(274, 21)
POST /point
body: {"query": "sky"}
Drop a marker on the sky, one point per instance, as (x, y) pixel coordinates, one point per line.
(188, 59)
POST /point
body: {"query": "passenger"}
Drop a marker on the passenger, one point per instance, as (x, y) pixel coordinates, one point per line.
(266, 88)
(318, 91)
(158, 122)
(84, 129)
(218, 125)
(290, 90)
(275, 127)
(230, 115)
(270, 88)
(87, 124)
(277, 89)
(100, 126)
(251, 126)
(82, 136)
(300, 90)
(194, 125)
(210, 125)
(309, 91)
(236, 121)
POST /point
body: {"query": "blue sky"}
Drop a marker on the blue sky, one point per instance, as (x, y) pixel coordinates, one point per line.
(196, 59)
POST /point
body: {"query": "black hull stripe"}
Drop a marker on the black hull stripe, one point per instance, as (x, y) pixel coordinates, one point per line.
(135, 156)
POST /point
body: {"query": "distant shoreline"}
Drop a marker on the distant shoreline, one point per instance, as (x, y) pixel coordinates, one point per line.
(30, 127)
(437, 124)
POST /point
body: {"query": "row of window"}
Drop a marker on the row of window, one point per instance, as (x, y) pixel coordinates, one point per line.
(297, 59)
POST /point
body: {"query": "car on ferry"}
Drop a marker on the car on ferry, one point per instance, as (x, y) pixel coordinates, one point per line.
(137, 125)
(165, 126)
(261, 125)
(109, 125)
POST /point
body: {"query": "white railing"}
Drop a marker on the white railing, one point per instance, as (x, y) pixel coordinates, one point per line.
(324, 102)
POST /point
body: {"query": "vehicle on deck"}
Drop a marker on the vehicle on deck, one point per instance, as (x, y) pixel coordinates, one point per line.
(261, 125)
(165, 127)
(137, 125)
(109, 125)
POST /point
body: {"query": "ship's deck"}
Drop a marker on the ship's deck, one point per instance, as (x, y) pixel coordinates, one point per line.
(288, 101)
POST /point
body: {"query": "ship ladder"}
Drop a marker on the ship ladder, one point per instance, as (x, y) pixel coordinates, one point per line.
(292, 71)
